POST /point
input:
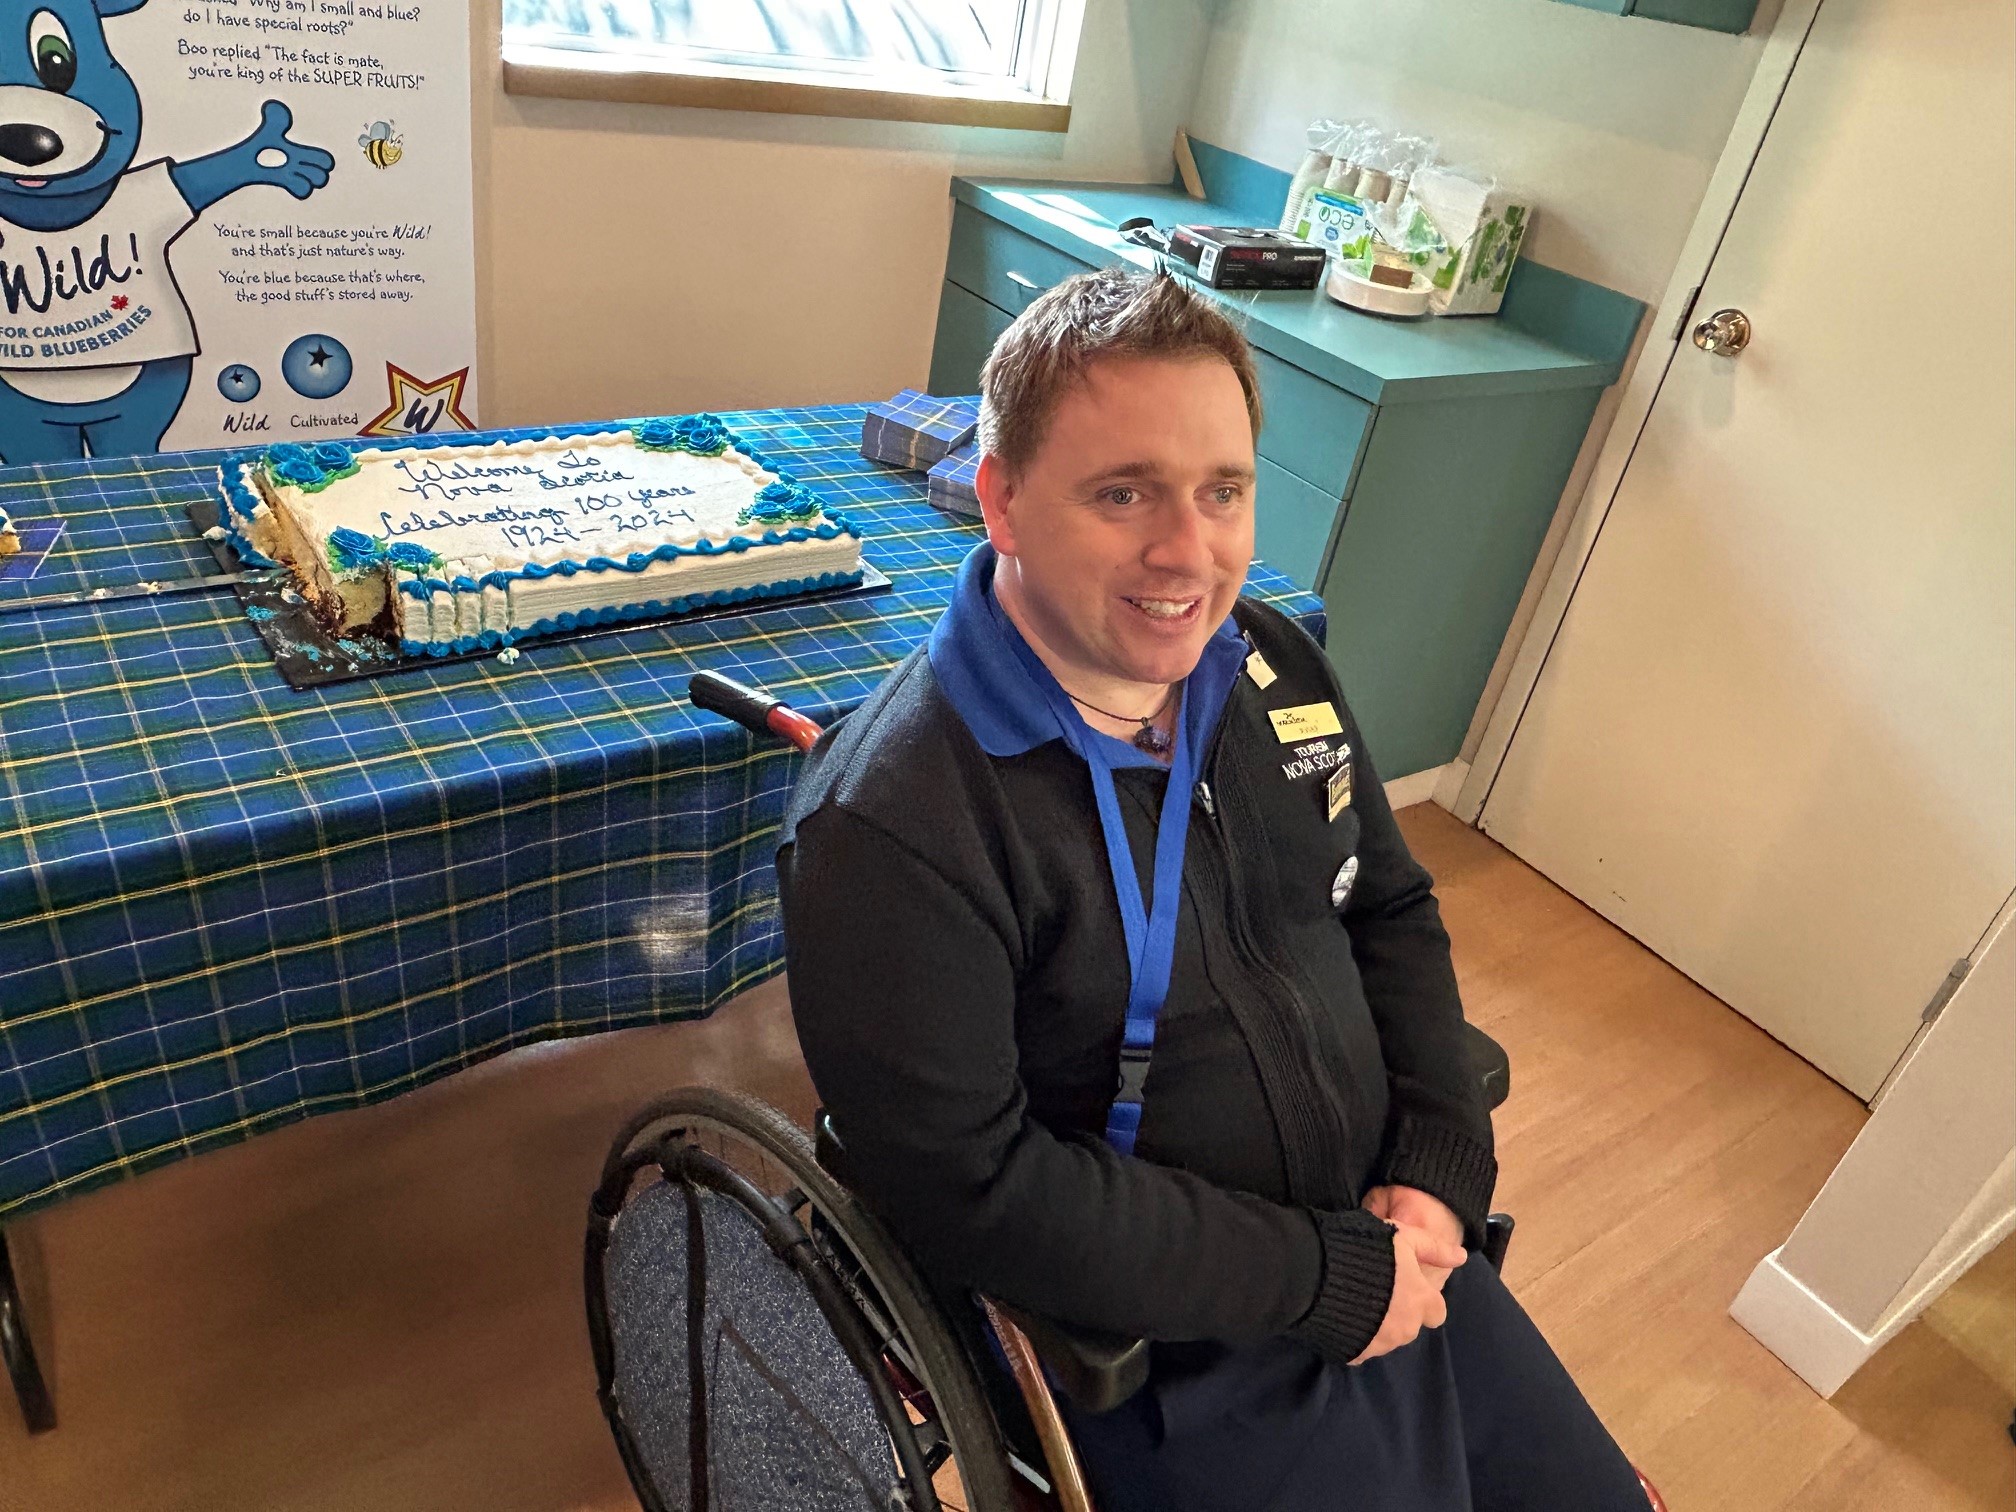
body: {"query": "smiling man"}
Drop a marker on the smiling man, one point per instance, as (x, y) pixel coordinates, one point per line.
(1126, 997)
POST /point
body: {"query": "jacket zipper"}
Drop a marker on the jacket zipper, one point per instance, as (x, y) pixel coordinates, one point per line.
(1247, 945)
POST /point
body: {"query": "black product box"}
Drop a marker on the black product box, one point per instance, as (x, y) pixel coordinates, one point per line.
(1247, 257)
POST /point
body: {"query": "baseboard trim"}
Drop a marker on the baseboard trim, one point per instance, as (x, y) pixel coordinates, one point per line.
(1449, 787)
(1820, 1346)
(1415, 787)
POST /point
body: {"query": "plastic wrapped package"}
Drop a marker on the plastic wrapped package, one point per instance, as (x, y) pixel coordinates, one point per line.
(1323, 137)
(1482, 225)
(1359, 144)
(1405, 157)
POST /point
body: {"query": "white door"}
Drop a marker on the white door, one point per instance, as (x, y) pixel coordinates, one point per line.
(1775, 738)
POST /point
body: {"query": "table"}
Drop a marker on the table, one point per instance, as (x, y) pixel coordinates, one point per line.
(226, 905)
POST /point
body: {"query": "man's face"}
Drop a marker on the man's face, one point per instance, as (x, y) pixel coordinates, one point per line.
(1131, 528)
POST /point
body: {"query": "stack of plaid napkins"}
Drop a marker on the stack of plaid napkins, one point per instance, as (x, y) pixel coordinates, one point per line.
(949, 484)
(916, 430)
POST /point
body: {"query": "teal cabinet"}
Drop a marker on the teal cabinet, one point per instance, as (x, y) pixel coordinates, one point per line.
(1292, 523)
(1408, 470)
(967, 327)
(1313, 429)
(1000, 264)
(1715, 15)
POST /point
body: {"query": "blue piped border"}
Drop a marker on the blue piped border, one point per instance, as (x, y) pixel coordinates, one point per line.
(238, 505)
(588, 618)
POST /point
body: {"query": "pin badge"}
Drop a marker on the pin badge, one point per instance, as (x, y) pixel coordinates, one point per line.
(1304, 722)
(1259, 671)
(1339, 790)
(1340, 889)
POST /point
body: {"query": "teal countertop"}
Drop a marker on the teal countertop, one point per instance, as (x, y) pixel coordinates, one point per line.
(1554, 332)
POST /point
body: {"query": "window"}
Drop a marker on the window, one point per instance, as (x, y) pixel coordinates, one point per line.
(973, 62)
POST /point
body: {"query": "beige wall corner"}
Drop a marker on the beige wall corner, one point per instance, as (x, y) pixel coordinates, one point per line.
(1928, 1187)
(1449, 783)
(1415, 787)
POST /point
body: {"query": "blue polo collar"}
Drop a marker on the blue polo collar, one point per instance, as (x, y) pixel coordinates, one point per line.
(1006, 696)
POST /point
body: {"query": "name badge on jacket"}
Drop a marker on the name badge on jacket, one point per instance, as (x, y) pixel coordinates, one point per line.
(1304, 722)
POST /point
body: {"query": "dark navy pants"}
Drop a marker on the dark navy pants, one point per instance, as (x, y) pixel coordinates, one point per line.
(1475, 1416)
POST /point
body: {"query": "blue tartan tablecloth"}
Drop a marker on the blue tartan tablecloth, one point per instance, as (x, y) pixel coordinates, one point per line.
(225, 905)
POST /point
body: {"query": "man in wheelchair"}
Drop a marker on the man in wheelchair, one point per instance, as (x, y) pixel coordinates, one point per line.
(1128, 1001)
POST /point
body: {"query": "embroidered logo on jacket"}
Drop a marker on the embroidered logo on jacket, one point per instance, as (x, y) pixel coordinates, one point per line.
(1316, 756)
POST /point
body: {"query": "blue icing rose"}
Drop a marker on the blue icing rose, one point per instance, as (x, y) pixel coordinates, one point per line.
(331, 456)
(658, 433)
(411, 555)
(301, 469)
(287, 451)
(703, 433)
(780, 503)
(352, 548)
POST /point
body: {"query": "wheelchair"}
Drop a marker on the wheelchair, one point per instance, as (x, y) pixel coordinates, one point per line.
(761, 1341)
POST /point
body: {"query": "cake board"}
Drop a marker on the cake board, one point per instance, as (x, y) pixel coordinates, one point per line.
(309, 655)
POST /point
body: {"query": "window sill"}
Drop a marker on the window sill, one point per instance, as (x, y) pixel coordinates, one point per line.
(562, 74)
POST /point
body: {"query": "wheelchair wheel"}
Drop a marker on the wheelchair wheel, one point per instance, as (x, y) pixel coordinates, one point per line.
(758, 1336)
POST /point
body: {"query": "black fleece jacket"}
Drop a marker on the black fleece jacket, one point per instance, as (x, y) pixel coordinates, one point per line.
(959, 978)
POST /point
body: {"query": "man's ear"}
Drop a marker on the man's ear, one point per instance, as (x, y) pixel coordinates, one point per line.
(996, 489)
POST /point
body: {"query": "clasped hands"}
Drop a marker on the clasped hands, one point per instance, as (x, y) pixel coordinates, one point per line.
(1427, 1246)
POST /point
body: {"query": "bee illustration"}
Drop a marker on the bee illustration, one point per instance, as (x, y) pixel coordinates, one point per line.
(381, 147)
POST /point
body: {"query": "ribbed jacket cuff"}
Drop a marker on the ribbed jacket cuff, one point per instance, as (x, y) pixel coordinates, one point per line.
(1357, 1285)
(1444, 1162)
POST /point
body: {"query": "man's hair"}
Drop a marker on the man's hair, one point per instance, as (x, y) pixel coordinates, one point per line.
(1112, 312)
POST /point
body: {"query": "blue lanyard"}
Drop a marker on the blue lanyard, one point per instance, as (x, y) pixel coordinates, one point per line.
(1150, 928)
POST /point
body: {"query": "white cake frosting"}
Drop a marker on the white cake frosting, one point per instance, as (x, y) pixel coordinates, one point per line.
(452, 546)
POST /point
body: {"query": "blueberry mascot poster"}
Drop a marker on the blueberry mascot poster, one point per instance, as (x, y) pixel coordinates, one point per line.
(232, 222)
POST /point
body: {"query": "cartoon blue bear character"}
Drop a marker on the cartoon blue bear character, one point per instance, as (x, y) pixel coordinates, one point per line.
(96, 341)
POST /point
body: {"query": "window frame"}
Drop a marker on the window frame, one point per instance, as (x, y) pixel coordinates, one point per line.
(1035, 96)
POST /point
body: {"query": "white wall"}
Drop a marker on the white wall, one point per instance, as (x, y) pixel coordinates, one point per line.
(638, 258)
(646, 259)
(1613, 125)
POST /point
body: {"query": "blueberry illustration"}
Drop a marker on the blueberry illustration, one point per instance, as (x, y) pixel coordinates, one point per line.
(238, 383)
(316, 367)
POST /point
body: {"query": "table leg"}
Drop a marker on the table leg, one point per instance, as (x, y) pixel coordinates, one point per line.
(29, 1387)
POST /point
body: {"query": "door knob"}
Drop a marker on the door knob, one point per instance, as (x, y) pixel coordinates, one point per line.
(1725, 333)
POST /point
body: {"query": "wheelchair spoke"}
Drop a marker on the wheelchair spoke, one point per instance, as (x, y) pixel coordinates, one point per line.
(938, 1460)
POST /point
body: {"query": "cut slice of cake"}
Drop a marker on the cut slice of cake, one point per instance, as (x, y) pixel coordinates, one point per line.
(449, 547)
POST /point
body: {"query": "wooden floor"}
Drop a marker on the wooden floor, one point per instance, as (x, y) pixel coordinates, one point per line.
(381, 1310)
